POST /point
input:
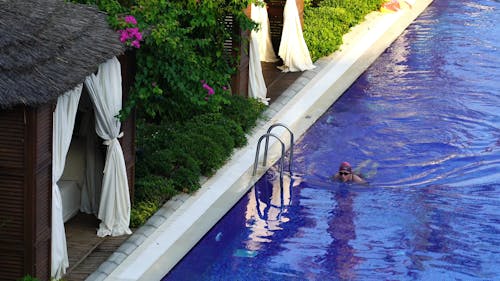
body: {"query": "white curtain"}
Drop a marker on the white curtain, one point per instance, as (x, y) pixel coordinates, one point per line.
(293, 49)
(263, 35)
(106, 94)
(63, 123)
(256, 84)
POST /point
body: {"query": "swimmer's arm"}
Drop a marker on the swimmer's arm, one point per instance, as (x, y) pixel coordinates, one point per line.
(358, 179)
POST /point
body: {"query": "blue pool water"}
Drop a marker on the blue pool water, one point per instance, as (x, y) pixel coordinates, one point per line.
(423, 125)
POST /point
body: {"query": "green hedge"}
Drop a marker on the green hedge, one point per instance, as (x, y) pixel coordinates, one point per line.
(172, 157)
(326, 22)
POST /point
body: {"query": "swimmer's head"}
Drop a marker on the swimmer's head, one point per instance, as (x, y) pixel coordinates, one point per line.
(345, 166)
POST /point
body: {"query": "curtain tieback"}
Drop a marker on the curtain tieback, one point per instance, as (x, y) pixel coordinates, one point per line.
(108, 142)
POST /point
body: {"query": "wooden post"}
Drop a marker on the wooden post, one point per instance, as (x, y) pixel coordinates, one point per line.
(128, 68)
(239, 48)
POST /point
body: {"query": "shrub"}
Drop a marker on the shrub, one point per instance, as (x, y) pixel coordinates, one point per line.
(207, 152)
(151, 192)
(183, 151)
(142, 211)
(220, 128)
(357, 9)
(159, 154)
(243, 111)
(154, 188)
(323, 41)
(185, 49)
(28, 278)
(328, 21)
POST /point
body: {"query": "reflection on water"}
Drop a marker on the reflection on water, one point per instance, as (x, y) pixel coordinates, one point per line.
(267, 208)
(341, 257)
(423, 125)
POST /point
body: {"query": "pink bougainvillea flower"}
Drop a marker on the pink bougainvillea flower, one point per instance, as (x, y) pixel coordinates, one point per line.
(209, 89)
(123, 35)
(138, 36)
(131, 36)
(136, 44)
(130, 19)
(132, 31)
(224, 88)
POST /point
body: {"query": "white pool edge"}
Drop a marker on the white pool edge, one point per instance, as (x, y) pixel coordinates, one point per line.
(187, 219)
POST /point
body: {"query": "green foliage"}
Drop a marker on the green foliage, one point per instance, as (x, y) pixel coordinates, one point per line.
(185, 46)
(324, 41)
(151, 192)
(357, 8)
(28, 278)
(154, 188)
(142, 211)
(159, 155)
(112, 7)
(328, 20)
(243, 111)
(217, 128)
(184, 151)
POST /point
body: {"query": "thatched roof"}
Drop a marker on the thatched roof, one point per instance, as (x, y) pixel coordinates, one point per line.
(47, 47)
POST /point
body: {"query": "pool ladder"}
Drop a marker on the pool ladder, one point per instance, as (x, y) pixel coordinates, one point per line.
(282, 159)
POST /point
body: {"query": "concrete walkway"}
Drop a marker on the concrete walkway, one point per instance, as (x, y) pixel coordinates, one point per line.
(156, 247)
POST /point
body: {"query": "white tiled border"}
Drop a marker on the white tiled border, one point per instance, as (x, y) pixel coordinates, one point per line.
(156, 247)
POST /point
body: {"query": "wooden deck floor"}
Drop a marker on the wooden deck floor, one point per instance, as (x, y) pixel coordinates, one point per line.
(87, 252)
(276, 81)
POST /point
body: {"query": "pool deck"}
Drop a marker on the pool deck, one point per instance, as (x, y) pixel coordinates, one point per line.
(298, 100)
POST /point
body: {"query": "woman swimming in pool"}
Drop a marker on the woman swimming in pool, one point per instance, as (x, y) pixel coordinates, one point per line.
(345, 174)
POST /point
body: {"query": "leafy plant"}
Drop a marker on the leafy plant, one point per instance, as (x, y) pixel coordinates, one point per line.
(129, 32)
(142, 211)
(154, 188)
(185, 46)
(243, 111)
(28, 278)
(327, 21)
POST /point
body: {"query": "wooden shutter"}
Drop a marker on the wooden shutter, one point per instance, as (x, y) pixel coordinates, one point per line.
(25, 192)
(12, 210)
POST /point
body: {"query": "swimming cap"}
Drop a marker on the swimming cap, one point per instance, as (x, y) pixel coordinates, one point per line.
(345, 166)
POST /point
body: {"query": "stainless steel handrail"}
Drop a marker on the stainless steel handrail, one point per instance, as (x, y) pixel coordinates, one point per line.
(291, 145)
(282, 161)
(266, 148)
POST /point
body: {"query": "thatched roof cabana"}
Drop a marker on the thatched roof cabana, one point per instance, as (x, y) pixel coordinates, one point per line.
(49, 46)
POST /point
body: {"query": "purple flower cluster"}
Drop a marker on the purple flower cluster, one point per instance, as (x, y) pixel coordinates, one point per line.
(130, 19)
(210, 90)
(130, 35)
